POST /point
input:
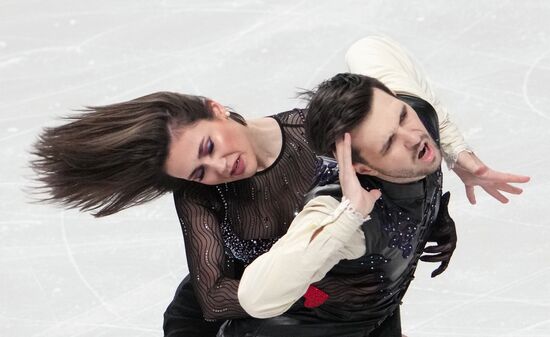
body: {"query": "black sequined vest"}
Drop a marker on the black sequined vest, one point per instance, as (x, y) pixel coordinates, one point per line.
(396, 234)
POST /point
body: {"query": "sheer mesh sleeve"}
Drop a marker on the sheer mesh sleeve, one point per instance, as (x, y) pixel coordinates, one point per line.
(216, 293)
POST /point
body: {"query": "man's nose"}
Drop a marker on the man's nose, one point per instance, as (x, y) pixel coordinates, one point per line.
(410, 139)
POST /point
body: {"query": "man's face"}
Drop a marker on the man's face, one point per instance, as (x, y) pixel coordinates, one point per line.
(393, 142)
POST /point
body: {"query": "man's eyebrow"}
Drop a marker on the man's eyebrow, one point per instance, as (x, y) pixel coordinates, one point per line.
(387, 144)
(402, 114)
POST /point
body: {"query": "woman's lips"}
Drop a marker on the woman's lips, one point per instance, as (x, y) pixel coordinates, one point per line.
(238, 167)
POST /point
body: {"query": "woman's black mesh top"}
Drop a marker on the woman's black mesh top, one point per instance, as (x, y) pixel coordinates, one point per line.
(227, 226)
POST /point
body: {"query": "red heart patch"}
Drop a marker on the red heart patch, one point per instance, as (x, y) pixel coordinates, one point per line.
(314, 297)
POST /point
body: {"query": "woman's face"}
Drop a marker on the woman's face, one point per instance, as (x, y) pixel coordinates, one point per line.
(212, 151)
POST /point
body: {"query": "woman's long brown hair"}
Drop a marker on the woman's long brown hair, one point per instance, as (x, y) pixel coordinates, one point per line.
(111, 157)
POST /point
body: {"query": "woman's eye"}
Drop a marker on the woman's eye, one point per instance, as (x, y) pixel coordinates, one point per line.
(200, 174)
(210, 146)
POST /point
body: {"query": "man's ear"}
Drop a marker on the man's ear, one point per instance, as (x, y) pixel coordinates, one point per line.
(364, 169)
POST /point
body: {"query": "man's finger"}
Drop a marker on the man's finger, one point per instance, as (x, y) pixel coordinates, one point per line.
(441, 268)
(347, 154)
(496, 194)
(339, 148)
(501, 177)
(375, 194)
(509, 188)
(435, 258)
(470, 194)
(341, 164)
(438, 248)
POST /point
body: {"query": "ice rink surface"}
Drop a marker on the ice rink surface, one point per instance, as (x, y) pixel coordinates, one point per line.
(65, 273)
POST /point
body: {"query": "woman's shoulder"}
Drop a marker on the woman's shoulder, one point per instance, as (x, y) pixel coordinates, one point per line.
(197, 194)
(294, 117)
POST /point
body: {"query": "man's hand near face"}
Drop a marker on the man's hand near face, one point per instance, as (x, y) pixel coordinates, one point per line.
(360, 199)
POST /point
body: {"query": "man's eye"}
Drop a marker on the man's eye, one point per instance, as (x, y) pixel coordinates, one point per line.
(403, 116)
(210, 146)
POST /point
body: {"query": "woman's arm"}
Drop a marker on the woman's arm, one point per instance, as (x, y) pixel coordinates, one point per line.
(216, 293)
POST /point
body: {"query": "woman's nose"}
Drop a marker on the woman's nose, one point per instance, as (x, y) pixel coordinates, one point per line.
(219, 165)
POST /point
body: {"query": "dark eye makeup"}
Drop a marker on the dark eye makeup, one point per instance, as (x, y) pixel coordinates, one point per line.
(200, 173)
(208, 148)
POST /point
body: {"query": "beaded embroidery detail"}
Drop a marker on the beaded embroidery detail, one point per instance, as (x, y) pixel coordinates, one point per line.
(400, 226)
(326, 171)
(243, 250)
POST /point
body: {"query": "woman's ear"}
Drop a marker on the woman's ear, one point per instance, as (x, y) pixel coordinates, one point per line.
(219, 110)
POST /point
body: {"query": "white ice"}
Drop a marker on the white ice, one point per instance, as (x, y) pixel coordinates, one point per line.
(65, 273)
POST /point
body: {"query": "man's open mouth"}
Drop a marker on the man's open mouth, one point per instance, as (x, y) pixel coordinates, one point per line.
(423, 151)
(426, 153)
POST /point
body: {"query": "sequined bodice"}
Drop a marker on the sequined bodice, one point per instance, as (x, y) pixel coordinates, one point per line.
(234, 223)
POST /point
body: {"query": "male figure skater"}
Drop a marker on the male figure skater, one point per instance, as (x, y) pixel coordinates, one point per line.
(360, 237)
(394, 145)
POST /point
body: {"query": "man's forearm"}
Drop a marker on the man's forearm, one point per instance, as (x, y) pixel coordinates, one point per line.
(278, 278)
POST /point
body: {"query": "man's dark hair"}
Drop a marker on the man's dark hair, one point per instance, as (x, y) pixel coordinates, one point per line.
(336, 106)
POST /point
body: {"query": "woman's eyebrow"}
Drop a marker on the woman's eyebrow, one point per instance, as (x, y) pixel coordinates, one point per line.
(199, 155)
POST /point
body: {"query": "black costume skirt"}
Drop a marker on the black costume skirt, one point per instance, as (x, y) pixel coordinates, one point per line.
(184, 318)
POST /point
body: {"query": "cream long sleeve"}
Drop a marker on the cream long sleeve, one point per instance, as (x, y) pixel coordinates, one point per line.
(278, 278)
(384, 59)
